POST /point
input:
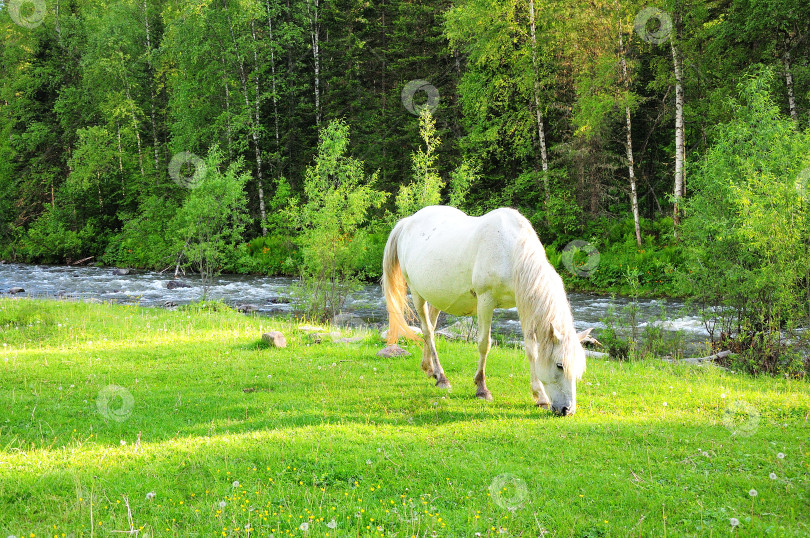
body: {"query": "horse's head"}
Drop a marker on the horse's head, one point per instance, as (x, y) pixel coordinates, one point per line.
(559, 363)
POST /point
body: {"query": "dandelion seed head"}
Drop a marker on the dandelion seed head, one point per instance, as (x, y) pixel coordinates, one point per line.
(753, 493)
(734, 521)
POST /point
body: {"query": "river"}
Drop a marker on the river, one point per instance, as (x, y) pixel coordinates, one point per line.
(271, 296)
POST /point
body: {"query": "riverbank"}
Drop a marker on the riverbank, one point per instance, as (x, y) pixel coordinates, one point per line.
(271, 296)
(186, 421)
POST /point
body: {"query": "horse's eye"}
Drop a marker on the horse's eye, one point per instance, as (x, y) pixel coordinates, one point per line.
(559, 365)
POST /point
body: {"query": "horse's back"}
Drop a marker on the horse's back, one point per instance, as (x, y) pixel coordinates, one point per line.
(449, 257)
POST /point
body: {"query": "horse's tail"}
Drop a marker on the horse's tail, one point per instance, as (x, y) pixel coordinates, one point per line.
(396, 290)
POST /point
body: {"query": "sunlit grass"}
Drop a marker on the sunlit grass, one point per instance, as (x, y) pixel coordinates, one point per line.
(329, 439)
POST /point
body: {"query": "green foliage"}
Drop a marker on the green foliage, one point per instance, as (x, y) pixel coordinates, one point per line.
(147, 238)
(213, 216)
(656, 262)
(561, 220)
(51, 240)
(205, 307)
(462, 179)
(339, 197)
(747, 229)
(274, 254)
(203, 231)
(426, 187)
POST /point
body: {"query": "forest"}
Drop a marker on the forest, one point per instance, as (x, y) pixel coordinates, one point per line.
(286, 137)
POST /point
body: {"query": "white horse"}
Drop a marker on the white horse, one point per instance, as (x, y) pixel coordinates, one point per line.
(466, 265)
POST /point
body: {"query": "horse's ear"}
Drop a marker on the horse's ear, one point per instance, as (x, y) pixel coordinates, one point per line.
(585, 337)
(584, 334)
(556, 333)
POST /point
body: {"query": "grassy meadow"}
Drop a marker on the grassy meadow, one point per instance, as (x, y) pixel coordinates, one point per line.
(159, 423)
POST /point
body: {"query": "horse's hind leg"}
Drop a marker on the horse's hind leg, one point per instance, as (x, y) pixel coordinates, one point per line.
(485, 309)
(428, 315)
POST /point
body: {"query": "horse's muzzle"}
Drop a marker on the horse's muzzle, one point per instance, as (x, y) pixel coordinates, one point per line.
(562, 411)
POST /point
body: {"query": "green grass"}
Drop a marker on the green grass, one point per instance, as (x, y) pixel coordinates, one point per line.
(329, 432)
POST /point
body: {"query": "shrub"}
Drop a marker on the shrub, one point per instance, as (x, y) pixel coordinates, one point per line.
(426, 187)
(274, 254)
(746, 231)
(213, 216)
(331, 222)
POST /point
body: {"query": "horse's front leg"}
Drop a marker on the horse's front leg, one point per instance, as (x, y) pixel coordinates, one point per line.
(540, 396)
(484, 311)
(428, 316)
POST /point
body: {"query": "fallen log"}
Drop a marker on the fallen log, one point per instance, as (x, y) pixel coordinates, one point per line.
(702, 360)
(82, 260)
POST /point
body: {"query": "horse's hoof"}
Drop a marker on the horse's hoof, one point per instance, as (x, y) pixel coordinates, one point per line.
(484, 396)
(443, 384)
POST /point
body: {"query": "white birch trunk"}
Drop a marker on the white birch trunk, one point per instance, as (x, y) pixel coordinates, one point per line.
(120, 149)
(254, 133)
(151, 84)
(541, 132)
(136, 128)
(273, 74)
(789, 84)
(227, 107)
(314, 31)
(631, 172)
(679, 134)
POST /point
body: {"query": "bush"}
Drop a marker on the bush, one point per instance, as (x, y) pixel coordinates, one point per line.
(331, 224)
(426, 187)
(146, 240)
(213, 217)
(52, 240)
(274, 254)
(656, 261)
(746, 232)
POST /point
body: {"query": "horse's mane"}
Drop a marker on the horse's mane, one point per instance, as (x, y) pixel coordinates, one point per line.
(543, 305)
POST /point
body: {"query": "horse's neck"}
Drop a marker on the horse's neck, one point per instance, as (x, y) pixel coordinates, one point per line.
(538, 288)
